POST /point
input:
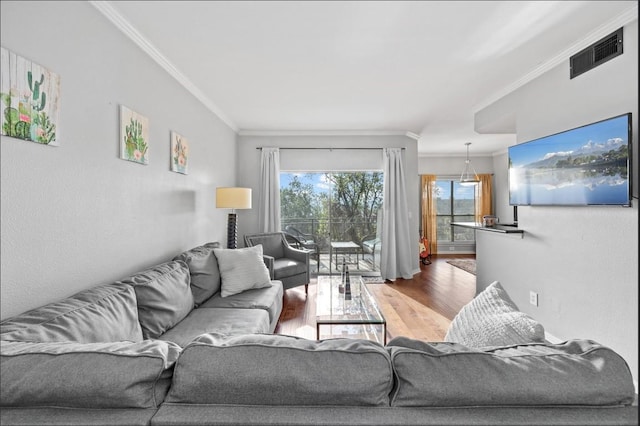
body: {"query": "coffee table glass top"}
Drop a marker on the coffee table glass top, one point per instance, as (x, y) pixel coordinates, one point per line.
(333, 309)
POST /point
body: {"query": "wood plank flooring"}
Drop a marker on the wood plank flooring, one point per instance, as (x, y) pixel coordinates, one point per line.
(420, 308)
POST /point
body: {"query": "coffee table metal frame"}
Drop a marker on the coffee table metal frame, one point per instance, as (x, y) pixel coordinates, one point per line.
(332, 308)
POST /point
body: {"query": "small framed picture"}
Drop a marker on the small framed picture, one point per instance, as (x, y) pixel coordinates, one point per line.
(30, 95)
(134, 136)
(179, 153)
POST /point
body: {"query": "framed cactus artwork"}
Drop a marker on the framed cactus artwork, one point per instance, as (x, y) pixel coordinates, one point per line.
(30, 98)
(179, 153)
(134, 136)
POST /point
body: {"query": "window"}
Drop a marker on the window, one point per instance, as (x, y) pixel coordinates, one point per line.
(454, 203)
(331, 208)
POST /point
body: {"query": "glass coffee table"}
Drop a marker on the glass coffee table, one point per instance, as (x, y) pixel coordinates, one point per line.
(358, 318)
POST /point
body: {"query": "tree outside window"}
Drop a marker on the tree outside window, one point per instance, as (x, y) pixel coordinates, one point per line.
(454, 203)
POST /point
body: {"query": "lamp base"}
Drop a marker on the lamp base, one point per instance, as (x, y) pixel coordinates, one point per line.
(232, 231)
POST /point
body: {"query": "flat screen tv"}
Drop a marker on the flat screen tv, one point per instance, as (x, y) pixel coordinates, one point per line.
(588, 165)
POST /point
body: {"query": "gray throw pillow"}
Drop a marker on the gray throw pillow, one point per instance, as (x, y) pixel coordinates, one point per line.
(241, 269)
(492, 319)
(164, 296)
(105, 313)
(203, 267)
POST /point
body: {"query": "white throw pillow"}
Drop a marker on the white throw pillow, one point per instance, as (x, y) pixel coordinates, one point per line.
(492, 319)
(241, 269)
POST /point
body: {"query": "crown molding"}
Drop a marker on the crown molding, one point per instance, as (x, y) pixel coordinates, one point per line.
(323, 133)
(130, 31)
(413, 135)
(600, 32)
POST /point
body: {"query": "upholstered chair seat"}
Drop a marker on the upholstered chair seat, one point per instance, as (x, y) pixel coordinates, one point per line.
(285, 263)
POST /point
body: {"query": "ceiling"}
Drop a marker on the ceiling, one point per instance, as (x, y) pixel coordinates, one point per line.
(421, 68)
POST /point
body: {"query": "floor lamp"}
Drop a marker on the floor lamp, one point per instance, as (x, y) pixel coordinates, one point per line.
(233, 198)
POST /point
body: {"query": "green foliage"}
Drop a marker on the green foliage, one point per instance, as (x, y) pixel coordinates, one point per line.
(38, 102)
(22, 130)
(43, 130)
(356, 200)
(11, 118)
(299, 201)
(29, 121)
(135, 145)
(353, 205)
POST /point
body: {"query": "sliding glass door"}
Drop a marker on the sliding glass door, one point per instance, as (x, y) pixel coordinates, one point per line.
(336, 215)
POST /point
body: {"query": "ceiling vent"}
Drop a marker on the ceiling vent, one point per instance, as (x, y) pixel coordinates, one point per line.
(596, 54)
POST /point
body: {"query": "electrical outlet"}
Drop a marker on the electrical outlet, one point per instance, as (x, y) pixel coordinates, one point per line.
(451, 248)
(533, 298)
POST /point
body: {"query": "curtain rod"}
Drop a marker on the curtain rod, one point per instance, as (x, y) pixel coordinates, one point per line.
(330, 149)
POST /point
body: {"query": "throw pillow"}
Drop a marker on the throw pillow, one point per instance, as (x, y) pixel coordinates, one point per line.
(241, 269)
(203, 267)
(492, 319)
(163, 295)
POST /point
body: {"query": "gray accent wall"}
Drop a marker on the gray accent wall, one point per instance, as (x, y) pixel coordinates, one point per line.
(76, 216)
(582, 261)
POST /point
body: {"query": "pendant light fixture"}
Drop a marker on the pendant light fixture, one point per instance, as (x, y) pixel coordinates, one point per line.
(466, 178)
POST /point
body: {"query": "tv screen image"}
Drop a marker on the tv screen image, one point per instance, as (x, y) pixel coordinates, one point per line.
(588, 165)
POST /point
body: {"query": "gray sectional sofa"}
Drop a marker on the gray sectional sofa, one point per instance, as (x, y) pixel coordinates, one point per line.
(171, 346)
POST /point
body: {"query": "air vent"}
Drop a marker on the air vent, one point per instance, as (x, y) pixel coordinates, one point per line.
(596, 54)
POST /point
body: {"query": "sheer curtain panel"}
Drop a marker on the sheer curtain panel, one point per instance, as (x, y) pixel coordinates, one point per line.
(396, 254)
(269, 202)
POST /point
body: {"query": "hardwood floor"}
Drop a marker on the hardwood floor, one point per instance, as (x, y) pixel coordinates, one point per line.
(420, 308)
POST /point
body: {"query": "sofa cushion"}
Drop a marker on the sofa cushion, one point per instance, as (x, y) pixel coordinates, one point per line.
(577, 372)
(105, 313)
(242, 269)
(492, 319)
(281, 370)
(267, 298)
(163, 296)
(86, 375)
(204, 271)
(221, 321)
(285, 267)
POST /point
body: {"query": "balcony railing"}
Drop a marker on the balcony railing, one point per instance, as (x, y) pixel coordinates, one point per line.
(323, 231)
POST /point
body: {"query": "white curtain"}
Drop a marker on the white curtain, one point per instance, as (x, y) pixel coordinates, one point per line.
(269, 203)
(395, 257)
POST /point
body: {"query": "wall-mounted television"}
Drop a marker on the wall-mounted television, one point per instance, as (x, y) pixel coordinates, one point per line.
(588, 165)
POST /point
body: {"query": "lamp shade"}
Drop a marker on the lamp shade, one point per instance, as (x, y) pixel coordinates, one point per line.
(233, 198)
(466, 178)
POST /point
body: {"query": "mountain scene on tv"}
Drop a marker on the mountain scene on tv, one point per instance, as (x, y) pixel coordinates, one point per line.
(583, 166)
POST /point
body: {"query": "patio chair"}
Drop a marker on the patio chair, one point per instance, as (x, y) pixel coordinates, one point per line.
(307, 241)
(285, 263)
(370, 244)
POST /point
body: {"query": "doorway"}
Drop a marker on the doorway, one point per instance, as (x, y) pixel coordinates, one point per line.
(335, 215)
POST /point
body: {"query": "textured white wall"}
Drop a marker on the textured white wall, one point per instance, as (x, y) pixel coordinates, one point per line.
(582, 261)
(76, 216)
